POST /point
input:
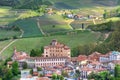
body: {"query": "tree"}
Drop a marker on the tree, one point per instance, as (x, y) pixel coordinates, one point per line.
(57, 77)
(54, 77)
(61, 77)
(39, 68)
(117, 71)
(8, 59)
(65, 74)
(8, 75)
(31, 71)
(82, 25)
(42, 49)
(25, 65)
(15, 68)
(34, 53)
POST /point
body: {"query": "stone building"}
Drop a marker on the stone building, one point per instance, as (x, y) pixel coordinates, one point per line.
(56, 49)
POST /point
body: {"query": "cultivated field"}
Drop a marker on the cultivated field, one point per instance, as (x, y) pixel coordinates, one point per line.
(29, 26)
(53, 23)
(8, 34)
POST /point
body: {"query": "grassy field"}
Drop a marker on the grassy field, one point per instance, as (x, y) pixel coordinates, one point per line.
(29, 26)
(72, 40)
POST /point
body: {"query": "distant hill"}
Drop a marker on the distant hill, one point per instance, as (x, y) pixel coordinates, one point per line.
(62, 4)
(66, 4)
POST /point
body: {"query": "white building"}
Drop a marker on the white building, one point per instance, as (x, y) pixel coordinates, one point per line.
(46, 61)
(114, 56)
(111, 56)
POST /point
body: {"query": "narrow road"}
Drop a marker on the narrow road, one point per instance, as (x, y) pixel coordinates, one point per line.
(40, 27)
(8, 45)
(94, 21)
(22, 32)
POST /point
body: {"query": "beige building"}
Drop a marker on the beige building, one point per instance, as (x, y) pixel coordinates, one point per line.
(56, 49)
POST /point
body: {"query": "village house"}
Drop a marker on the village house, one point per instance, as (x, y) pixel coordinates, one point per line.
(91, 66)
(109, 57)
(94, 56)
(19, 56)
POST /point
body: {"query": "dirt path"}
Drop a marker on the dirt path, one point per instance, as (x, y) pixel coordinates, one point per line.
(14, 40)
(8, 45)
(40, 27)
(94, 21)
(107, 35)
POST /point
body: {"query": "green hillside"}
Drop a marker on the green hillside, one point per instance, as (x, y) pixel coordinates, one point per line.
(64, 4)
(71, 39)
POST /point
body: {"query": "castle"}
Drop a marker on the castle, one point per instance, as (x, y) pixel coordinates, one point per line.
(54, 54)
(56, 49)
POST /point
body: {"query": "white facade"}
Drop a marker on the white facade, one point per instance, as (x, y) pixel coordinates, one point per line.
(103, 59)
(42, 62)
(113, 56)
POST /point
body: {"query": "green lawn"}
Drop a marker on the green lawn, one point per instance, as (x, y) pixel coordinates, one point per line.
(72, 40)
(29, 26)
